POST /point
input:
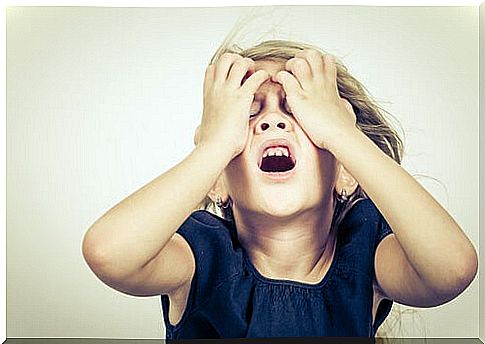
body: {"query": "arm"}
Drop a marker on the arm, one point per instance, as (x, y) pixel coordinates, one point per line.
(133, 247)
(122, 245)
(428, 260)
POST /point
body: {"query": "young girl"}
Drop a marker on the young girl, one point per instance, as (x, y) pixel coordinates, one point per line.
(319, 230)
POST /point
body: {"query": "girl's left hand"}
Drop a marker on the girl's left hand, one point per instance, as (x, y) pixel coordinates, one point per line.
(313, 97)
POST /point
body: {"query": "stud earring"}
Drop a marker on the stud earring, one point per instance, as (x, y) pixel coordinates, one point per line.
(342, 197)
(220, 204)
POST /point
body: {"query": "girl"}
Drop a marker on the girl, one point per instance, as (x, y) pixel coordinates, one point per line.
(319, 230)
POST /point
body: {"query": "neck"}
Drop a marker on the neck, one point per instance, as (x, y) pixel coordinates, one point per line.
(297, 248)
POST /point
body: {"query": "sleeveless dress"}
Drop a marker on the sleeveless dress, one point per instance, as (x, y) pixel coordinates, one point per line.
(229, 298)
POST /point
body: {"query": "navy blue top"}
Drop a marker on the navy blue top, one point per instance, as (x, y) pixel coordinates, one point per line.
(229, 298)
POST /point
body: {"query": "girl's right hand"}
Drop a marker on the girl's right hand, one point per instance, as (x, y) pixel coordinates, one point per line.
(227, 103)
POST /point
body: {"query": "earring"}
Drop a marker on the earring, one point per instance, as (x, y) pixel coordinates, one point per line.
(342, 198)
(220, 204)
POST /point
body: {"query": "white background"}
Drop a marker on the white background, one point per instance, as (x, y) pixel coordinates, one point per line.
(102, 100)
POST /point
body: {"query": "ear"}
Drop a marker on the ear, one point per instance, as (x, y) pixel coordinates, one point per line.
(219, 189)
(344, 180)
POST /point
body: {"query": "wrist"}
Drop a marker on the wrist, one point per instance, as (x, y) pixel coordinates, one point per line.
(214, 151)
(339, 138)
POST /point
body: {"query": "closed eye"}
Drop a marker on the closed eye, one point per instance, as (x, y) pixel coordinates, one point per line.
(287, 107)
(255, 108)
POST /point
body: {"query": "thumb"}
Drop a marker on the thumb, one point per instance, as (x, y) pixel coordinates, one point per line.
(349, 108)
(197, 135)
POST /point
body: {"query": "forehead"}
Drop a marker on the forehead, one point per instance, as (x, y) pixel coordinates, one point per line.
(272, 67)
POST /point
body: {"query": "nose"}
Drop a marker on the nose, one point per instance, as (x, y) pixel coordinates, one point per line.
(273, 121)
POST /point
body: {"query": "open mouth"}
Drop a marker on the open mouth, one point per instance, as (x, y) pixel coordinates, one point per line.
(277, 159)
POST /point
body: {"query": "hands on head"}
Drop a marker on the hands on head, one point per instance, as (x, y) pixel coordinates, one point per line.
(309, 81)
(227, 101)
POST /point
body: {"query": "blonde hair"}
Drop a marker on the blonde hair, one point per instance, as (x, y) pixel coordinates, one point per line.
(370, 120)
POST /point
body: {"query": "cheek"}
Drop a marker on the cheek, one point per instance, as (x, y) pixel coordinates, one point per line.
(236, 175)
(327, 166)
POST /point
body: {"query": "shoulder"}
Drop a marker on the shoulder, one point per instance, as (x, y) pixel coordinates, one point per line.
(205, 218)
(202, 225)
(365, 215)
(361, 212)
(214, 245)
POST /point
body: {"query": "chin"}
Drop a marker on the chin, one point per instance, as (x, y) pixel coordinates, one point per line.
(281, 203)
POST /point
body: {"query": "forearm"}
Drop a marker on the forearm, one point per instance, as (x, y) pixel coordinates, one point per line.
(433, 242)
(137, 228)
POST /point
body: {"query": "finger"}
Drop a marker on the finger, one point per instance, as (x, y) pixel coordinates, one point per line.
(350, 109)
(209, 77)
(314, 59)
(252, 84)
(223, 65)
(300, 69)
(249, 72)
(238, 71)
(289, 82)
(330, 68)
(196, 135)
(348, 105)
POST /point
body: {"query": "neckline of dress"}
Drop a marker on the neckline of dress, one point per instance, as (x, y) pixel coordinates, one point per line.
(325, 279)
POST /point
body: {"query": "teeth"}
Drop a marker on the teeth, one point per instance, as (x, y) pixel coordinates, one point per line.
(276, 151)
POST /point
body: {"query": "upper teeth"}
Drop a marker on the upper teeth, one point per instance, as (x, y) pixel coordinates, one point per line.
(278, 151)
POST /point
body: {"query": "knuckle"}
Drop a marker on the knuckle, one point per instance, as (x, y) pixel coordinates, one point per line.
(209, 71)
(229, 57)
(299, 63)
(347, 104)
(330, 60)
(314, 53)
(302, 54)
(243, 62)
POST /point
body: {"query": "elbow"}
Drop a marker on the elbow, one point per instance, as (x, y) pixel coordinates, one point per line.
(455, 281)
(110, 265)
(469, 268)
(465, 268)
(97, 256)
(99, 262)
(92, 253)
(463, 276)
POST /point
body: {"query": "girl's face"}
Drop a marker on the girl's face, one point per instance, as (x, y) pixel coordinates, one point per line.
(248, 179)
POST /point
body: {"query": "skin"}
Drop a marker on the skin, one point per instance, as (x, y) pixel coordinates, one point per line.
(135, 249)
(427, 261)
(285, 236)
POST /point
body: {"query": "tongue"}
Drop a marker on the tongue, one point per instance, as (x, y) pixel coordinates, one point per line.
(276, 164)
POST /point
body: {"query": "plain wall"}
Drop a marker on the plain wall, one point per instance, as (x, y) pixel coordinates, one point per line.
(100, 101)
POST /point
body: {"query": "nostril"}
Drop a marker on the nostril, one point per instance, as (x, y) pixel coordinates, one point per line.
(281, 125)
(264, 126)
